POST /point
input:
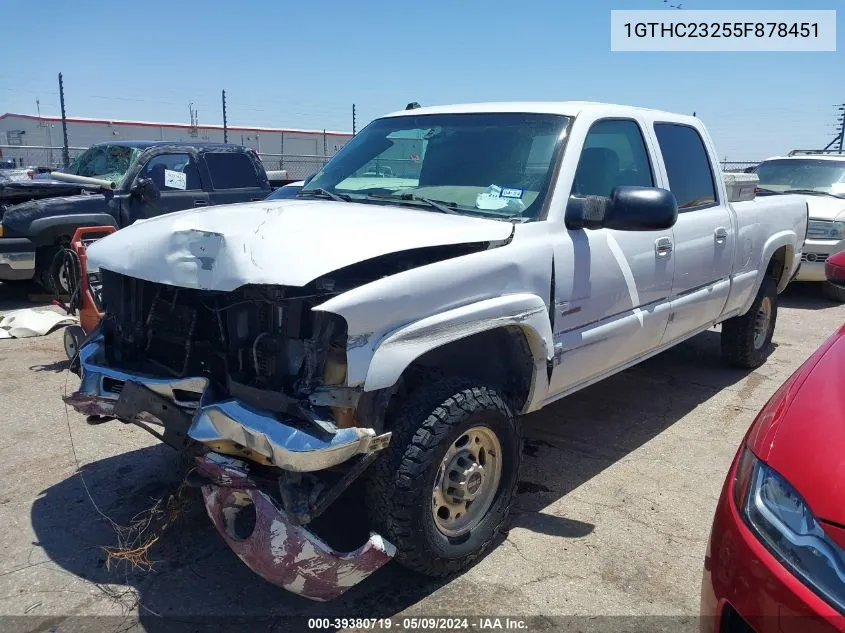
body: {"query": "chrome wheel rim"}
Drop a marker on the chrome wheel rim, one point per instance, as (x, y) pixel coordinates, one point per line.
(63, 277)
(71, 346)
(467, 481)
(761, 322)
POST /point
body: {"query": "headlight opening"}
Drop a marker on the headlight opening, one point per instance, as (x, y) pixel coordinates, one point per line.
(783, 521)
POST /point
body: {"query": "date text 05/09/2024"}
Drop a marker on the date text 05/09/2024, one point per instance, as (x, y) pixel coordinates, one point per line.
(420, 624)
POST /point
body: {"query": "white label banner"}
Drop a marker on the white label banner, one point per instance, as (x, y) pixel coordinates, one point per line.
(734, 31)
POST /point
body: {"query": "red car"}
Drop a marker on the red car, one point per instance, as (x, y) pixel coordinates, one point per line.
(776, 556)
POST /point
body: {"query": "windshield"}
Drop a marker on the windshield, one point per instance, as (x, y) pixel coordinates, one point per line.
(823, 176)
(109, 162)
(496, 164)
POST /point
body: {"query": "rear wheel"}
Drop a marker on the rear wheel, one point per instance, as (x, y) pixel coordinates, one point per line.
(443, 487)
(834, 292)
(746, 339)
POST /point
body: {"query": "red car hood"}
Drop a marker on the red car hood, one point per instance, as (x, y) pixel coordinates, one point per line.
(801, 432)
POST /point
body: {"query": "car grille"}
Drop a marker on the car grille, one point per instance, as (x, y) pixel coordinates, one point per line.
(815, 258)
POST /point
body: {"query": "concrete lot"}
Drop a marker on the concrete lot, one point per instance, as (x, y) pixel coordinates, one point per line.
(617, 491)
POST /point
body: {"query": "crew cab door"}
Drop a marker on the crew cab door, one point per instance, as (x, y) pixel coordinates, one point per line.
(177, 178)
(234, 177)
(704, 233)
(612, 288)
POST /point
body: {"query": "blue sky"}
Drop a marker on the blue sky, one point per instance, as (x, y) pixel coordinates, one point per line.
(303, 64)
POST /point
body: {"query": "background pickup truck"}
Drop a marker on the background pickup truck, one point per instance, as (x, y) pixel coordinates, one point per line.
(132, 180)
(390, 329)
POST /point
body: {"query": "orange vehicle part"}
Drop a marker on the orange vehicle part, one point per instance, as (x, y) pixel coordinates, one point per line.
(89, 313)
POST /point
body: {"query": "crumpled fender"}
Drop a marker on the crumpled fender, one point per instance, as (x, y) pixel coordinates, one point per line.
(281, 552)
(526, 311)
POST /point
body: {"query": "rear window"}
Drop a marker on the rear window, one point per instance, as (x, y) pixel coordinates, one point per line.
(231, 170)
(687, 165)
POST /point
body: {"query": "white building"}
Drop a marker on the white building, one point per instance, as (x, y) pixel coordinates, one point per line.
(37, 140)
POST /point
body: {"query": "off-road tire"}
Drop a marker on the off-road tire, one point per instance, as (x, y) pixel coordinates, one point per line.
(399, 490)
(834, 292)
(738, 347)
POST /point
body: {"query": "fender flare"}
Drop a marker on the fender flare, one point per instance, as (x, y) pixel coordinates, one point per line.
(783, 238)
(44, 231)
(399, 349)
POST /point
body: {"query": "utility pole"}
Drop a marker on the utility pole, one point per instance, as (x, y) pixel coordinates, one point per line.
(65, 153)
(225, 124)
(353, 120)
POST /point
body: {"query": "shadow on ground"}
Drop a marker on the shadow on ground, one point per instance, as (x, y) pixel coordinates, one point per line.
(805, 295)
(567, 444)
(21, 294)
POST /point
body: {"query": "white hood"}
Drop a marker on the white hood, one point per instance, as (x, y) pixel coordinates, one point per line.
(825, 207)
(284, 242)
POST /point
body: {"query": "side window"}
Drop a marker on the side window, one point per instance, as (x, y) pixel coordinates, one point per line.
(687, 165)
(172, 172)
(231, 170)
(614, 155)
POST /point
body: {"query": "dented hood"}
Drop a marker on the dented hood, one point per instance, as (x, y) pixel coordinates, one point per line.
(284, 242)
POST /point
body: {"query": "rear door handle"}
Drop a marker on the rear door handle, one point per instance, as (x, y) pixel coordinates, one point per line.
(200, 203)
(663, 246)
(720, 235)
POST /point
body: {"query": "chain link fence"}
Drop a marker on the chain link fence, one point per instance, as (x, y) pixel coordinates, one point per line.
(739, 165)
(298, 166)
(38, 155)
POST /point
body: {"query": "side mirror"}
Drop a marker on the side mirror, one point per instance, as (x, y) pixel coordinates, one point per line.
(146, 190)
(627, 209)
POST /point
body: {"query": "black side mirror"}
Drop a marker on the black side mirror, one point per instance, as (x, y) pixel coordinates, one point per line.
(627, 209)
(146, 190)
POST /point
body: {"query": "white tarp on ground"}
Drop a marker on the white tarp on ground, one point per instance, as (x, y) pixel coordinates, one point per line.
(32, 322)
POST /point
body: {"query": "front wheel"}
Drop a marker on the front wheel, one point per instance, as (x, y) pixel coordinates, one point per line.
(746, 339)
(443, 487)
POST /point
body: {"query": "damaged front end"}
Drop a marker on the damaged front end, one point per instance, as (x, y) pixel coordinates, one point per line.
(257, 376)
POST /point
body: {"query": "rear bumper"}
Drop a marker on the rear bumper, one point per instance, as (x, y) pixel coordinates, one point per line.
(286, 444)
(274, 547)
(17, 258)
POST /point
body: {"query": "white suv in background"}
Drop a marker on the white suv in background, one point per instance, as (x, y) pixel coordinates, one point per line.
(821, 178)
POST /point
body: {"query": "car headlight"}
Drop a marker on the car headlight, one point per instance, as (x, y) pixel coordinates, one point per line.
(783, 521)
(826, 230)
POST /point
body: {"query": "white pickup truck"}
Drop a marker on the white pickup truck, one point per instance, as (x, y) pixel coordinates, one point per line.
(390, 325)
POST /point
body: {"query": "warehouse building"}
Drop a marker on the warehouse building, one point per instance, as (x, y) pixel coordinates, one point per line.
(33, 140)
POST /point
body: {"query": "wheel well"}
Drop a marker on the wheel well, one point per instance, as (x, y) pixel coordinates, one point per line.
(778, 266)
(499, 358)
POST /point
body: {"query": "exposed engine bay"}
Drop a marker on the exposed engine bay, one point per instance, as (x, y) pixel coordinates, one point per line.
(262, 345)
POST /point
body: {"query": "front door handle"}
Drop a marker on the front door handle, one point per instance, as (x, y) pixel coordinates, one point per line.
(200, 203)
(663, 246)
(720, 235)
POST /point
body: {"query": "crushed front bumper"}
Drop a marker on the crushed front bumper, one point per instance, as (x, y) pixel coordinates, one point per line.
(274, 442)
(274, 547)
